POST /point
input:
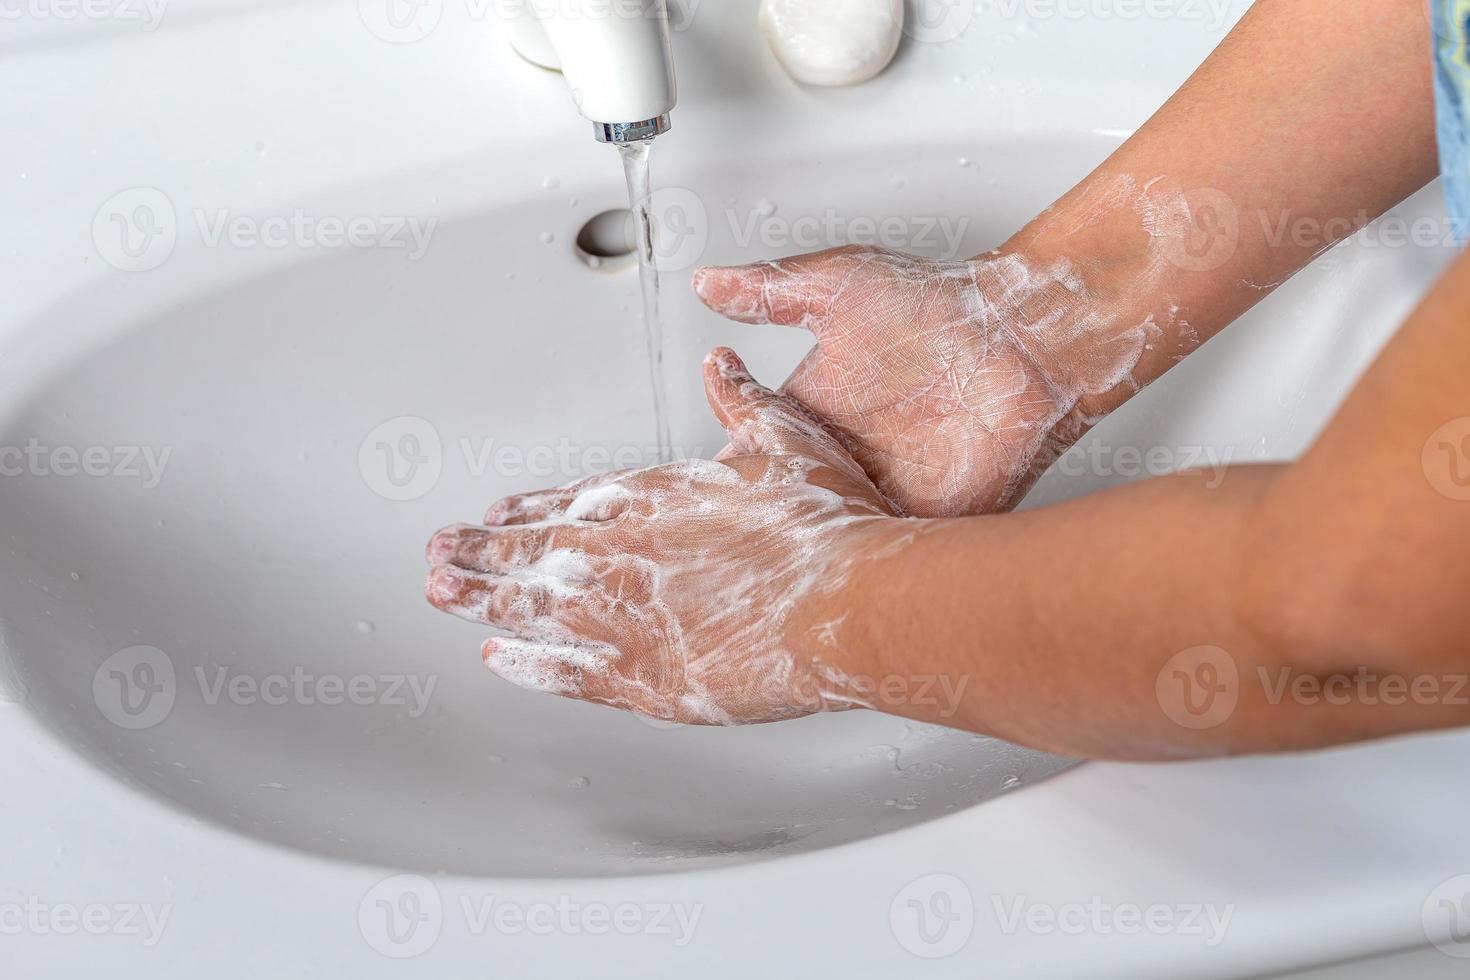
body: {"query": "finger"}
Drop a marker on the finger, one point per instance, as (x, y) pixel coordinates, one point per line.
(528, 508)
(795, 292)
(512, 602)
(586, 671)
(568, 671)
(499, 549)
(762, 422)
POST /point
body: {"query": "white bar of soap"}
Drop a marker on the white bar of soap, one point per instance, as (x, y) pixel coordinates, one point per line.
(833, 42)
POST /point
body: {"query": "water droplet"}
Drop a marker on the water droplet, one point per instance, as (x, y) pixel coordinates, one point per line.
(494, 759)
(964, 161)
(550, 183)
(765, 207)
(76, 576)
(547, 238)
(581, 782)
(1010, 782)
(366, 627)
(899, 182)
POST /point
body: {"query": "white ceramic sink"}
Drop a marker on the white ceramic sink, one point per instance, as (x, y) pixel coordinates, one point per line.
(275, 553)
(283, 427)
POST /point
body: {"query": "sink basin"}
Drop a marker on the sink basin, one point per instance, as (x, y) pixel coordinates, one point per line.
(238, 626)
(234, 623)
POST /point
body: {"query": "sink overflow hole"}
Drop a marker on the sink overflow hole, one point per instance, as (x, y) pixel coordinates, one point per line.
(608, 242)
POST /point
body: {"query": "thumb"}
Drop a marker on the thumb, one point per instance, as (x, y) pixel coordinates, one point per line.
(762, 422)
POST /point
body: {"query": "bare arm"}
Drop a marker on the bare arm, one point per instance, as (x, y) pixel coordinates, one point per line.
(1348, 568)
(956, 384)
(1312, 118)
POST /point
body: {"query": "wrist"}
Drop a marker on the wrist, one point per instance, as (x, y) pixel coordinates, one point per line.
(1109, 319)
(844, 630)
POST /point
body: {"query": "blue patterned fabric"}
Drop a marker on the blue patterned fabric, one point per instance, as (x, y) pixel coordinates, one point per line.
(1452, 100)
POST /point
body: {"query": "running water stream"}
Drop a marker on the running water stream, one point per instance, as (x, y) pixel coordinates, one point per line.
(640, 199)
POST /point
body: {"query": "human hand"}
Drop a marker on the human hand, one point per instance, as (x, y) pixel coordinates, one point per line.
(953, 384)
(683, 592)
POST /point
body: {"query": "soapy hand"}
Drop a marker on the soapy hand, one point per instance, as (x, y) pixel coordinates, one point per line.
(678, 592)
(953, 384)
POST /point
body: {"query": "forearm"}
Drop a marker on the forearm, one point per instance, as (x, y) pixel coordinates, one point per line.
(1098, 627)
(1049, 627)
(1310, 119)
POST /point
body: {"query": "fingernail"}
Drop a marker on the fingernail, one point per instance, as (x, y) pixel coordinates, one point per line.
(727, 362)
(441, 547)
(442, 587)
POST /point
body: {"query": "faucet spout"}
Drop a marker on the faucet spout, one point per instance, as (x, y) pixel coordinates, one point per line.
(616, 57)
